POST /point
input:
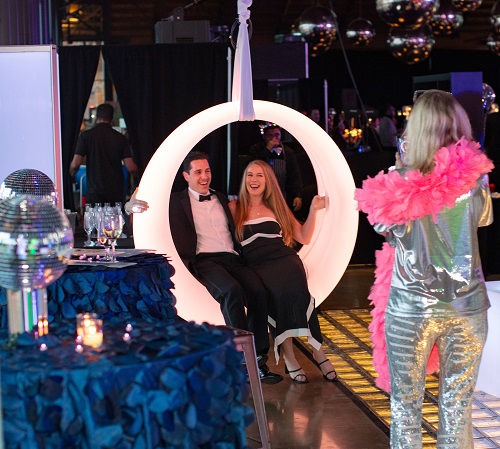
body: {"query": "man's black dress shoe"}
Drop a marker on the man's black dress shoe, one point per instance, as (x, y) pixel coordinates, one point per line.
(261, 360)
(268, 377)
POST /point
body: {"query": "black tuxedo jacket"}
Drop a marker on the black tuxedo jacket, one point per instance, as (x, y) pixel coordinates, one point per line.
(183, 230)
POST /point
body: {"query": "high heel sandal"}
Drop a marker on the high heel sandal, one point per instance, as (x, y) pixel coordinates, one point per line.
(299, 378)
(325, 375)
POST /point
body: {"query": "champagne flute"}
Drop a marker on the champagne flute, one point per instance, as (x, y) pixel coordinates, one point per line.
(112, 227)
(88, 226)
(101, 236)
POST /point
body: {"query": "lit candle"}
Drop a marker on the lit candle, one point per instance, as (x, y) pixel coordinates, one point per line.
(89, 330)
(93, 338)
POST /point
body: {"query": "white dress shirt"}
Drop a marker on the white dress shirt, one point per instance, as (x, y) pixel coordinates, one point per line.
(210, 222)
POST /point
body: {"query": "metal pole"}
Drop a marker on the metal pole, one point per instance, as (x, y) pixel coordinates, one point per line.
(325, 105)
(228, 126)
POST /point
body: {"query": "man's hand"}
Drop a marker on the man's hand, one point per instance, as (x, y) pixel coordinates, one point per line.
(297, 204)
(273, 143)
(135, 206)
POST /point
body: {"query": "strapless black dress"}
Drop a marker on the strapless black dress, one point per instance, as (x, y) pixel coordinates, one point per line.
(291, 308)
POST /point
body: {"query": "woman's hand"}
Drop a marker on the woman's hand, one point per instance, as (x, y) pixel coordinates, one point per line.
(318, 202)
(135, 206)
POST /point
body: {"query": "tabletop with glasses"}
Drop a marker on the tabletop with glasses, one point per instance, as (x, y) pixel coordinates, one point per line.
(137, 285)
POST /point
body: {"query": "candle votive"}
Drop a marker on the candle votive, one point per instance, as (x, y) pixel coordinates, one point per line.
(89, 328)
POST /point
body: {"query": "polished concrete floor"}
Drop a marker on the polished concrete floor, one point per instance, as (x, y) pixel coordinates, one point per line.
(321, 414)
(324, 415)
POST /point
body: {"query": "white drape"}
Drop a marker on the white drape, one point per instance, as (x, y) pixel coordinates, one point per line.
(242, 76)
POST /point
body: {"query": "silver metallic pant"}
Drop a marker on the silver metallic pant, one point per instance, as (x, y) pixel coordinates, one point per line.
(460, 342)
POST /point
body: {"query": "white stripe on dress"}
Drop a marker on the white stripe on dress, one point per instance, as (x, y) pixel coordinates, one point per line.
(259, 234)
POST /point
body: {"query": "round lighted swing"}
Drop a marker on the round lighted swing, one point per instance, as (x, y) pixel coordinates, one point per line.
(329, 252)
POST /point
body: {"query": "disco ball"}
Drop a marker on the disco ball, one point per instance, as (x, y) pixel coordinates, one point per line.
(493, 43)
(495, 23)
(28, 181)
(35, 245)
(446, 22)
(466, 5)
(488, 96)
(406, 13)
(318, 27)
(411, 46)
(360, 32)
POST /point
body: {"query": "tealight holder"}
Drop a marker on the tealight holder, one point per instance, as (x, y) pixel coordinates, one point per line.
(89, 329)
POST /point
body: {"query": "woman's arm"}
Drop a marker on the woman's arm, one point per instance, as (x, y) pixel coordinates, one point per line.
(303, 233)
(135, 206)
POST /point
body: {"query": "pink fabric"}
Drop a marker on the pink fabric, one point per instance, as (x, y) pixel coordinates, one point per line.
(394, 199)
(415, 195)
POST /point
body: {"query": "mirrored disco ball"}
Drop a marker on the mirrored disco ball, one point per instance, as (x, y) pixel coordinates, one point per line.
(466, 5)
(488, 96)
(493, 43)
(28, 181)
(406, 13)
(36, 242)
(317, 26)
(495, 23)
(360, 32)
(447, 21)
(411, 46)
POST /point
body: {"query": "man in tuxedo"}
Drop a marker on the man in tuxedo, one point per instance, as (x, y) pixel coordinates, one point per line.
(203, 233)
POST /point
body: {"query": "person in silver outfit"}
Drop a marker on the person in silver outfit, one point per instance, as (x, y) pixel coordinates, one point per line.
(429, 209)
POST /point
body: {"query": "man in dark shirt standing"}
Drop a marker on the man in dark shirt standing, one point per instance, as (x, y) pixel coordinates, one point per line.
(105, 149)
(284, 163)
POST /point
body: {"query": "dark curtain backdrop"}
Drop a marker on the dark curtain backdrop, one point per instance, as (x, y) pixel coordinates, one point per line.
(160, 86)
(382, 79)
(77, 69)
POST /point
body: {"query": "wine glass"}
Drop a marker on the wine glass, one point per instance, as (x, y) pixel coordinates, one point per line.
(112, 225)
(101, 236)
(88, 226)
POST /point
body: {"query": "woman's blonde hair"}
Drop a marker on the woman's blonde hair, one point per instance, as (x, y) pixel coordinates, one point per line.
(272, 198)
(436, 120)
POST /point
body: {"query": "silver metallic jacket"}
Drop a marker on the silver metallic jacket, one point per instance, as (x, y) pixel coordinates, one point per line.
(437, 270)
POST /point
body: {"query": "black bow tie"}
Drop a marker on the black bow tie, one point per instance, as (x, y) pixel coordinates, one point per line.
(205, 197)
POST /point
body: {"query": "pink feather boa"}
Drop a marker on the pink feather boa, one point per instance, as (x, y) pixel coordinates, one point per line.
(389, 199)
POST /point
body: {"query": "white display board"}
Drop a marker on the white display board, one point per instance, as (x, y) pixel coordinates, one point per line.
(30, 133)
(488, 371)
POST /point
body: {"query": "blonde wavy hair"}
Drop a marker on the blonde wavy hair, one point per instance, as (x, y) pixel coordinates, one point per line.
(436, 120)
(272, 198)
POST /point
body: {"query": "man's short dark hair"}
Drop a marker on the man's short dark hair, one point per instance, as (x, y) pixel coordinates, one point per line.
(193, 156)
(105, 112)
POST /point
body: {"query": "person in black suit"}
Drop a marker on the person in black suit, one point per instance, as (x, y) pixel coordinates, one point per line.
(203, 233)
(283, 162)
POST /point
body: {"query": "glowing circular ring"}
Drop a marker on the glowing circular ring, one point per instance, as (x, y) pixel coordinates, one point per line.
(329, 252)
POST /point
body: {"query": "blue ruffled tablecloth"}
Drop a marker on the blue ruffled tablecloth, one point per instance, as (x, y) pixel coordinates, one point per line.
(138, 291)
(178, 385)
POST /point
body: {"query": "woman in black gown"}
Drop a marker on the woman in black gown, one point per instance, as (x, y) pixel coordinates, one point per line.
(267, 231)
